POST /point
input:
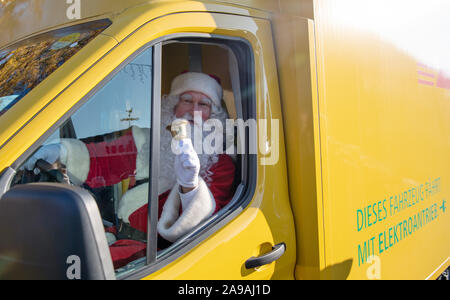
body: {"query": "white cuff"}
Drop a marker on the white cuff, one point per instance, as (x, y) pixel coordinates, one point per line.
(200, 205)
(186, 198)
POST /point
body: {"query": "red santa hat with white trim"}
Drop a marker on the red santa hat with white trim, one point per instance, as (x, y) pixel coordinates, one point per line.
(198, 82)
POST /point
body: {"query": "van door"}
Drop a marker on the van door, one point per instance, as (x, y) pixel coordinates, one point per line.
(261, 223)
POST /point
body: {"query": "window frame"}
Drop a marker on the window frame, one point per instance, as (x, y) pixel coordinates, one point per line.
(247, 186)
(152, 217)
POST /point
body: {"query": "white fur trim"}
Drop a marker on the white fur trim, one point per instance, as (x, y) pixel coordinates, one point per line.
(77, 160)
(172, 226)
(199, 82)
(141, 138)
(131, 201)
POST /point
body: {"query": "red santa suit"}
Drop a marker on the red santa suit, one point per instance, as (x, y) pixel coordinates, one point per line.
(108, 163)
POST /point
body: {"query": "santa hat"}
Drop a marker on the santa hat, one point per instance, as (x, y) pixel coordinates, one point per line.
(198, 82)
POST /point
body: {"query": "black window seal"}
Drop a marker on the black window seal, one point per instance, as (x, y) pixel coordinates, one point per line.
(152, 217)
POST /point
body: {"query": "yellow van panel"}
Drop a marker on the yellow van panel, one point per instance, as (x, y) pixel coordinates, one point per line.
(21, 18)
(135, 17)
(269, 215)
(296, 63)
(384, 108)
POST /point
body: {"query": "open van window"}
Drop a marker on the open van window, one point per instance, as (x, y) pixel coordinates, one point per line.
(27, 63)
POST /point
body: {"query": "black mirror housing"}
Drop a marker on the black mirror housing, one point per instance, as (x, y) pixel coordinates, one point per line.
(52, 231)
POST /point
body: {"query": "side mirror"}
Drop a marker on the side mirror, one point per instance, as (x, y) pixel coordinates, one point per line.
(52, 231)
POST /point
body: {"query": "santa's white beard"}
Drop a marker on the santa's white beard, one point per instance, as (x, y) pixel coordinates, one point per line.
(167, 177)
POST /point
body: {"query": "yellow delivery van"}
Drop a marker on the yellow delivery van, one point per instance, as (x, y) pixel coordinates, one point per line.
(337, 139)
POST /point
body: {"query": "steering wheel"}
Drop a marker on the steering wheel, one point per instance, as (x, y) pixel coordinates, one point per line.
(48, 173)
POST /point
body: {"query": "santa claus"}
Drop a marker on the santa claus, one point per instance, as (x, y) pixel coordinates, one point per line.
(192, 186)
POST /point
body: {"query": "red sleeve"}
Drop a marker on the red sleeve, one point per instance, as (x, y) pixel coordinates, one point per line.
(111, 162)
(221, 182)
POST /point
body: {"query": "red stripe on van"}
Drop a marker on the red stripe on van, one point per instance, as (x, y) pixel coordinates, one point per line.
(443, 81)
(421, 81)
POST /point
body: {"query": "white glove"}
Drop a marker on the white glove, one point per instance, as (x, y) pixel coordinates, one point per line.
(50, 153)
(187, 165)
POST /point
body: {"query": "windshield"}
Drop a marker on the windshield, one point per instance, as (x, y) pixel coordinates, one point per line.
(26, 64)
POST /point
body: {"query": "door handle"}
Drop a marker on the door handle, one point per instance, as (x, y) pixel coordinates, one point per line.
(276, 253)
